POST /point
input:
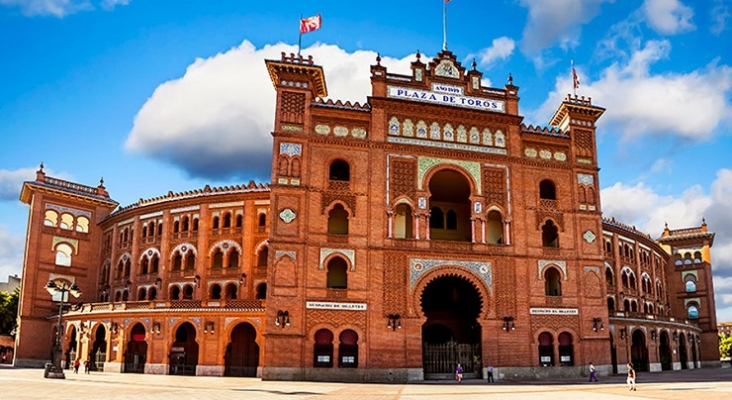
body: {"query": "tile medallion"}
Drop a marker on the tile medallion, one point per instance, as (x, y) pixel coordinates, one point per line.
(418, 267)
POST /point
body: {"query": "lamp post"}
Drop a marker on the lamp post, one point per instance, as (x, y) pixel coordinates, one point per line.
(54, 369)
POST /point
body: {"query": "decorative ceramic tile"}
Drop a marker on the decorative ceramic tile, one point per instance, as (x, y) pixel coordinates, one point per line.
(422, 203)
(394, 128)
(281, 253)
(474, 135)
(487, 137)
(322, 129)
(473, 168)
(408, 128)
(500, 139)
(435, 131)
(529, 152)
(545, 154)
(559, 156)
(462, 134)
(418, 267)
(350, 254)
(340, 131)
(585, 179)
(421, 130)
(287, 215)
(358, 133)
(557, 263)
(589, 236)
(291, 149)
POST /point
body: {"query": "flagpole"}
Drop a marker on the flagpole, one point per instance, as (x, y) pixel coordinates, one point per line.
(299, 38)
(444, 25)
(574, 85)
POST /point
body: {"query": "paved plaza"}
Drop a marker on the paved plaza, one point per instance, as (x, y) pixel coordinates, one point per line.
(30, 384)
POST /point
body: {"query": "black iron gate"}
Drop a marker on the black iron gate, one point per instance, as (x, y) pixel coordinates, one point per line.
(440, 360)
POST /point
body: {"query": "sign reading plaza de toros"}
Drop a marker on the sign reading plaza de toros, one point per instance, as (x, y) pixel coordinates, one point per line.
(446, 95)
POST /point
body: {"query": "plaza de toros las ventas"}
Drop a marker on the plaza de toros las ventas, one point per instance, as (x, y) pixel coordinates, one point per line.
(425, 227)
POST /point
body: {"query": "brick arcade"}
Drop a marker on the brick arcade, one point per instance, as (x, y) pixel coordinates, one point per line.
(425, 227)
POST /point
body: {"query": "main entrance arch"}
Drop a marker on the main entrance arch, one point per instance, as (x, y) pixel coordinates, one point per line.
(639, 351)
(99, 349)
(451, 333)
(242, 353)
(184, 351)
(136, 353)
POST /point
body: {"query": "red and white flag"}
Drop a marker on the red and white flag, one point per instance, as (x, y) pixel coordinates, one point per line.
(575, 78)
(310, 24)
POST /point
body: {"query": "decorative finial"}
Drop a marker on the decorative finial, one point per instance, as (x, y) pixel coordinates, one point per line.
(704, 221)
(378, 58)
(101, 181)
(510, 79)
(474, 64)
(418, 55)
(665, 225)
(40, 168)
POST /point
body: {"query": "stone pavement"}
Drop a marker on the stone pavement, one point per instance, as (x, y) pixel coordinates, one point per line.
(30, 384)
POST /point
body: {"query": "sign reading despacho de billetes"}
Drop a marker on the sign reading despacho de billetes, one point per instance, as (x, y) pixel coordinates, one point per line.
(325, 305)
(447, 99)
(554, 311)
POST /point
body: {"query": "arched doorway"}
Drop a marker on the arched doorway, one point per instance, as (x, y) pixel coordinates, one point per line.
(694, 358)
(136, 354)
(451, 333)
(184, 351)
(683, 356)
(665, 352)
(639, 351)
(546, 349)
(99, 349)
(71, 353)
(242, 353)
(613, 354)
(449, 207)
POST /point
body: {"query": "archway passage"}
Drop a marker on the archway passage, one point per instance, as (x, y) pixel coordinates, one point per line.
(136, 353)
(184, 351)
(99, 349)
(71, 347)
(242, 353)
(451, 333)
(639, 351)
(683, 355)
(665, 353)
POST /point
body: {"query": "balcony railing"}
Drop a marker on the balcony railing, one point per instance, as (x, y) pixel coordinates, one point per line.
(212, 305)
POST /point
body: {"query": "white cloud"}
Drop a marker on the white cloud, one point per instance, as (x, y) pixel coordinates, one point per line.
(690, 105)
(216, 120)
(11, 253)
(12, 181)
(58, 8)
(668, 17)
(719, 14)
(556, 21)
(642, 207)
(501, 48)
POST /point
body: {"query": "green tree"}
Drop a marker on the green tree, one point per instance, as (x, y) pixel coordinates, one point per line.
(8, 311)
(725, 346)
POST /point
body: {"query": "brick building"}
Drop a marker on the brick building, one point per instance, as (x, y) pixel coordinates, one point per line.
(426, 227)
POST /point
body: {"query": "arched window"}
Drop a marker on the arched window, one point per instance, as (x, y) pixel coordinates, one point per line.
(142, 294)
(323, 349)
(160, 228)
(191, 261)
(631, 281)
(549, 235)
(340, 171)
(176, 226)
(451, 220)
(175, 293)
(337, 275)
(67, 222)
(262, 222)
(82, 224)
(144, 266)
(437, 218)
(154, 264)
(262, 291)
(125, 295)
(348, 349)
(552, 282)
(610, 304)
(144, 231)
(693, 312)
(195, 224)
(51, 218)
(215, 292)
(118, 297)
(494, 228)
(152, 293)
(608, 247)
(609, 279)
(187, 292)
(218, 259)
(295, 170)
(262, 256)
(633, 306)
(151, 229)
(184, 224)
(215, 223)
(403, 222)
(626, 305)
(547, 190)
(239, 220)
(227, 220)
(624, 277)
(177, 262)
(338, 221)
(690, 283)
(63, 255)
(546, 349)
(234, 259)
(283, 166)
(128, 265)
(231, 291)
(566, 350)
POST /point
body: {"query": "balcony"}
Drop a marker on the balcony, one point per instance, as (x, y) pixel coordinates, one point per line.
(336, 293)
(185, 273)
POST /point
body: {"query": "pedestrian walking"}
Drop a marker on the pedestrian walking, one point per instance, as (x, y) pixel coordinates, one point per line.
(86, 366)
(631, 377)
(459, 373)
(593, 377)
(490, 373)
(77, 363)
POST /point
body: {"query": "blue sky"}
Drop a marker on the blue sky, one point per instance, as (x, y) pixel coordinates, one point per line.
(155, 95)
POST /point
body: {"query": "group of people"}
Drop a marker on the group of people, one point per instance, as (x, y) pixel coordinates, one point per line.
(459, 373)
(631, 376)
(77, 364)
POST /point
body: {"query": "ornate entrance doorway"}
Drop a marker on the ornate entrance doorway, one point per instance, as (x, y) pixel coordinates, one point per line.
(639, 351)
(451, 333)
(184, 351)
(99, 349)
(242, 353)
(136, 350)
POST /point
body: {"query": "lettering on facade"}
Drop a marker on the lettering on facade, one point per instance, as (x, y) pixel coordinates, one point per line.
(324, 305)
(456, 99)
(554, 311)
